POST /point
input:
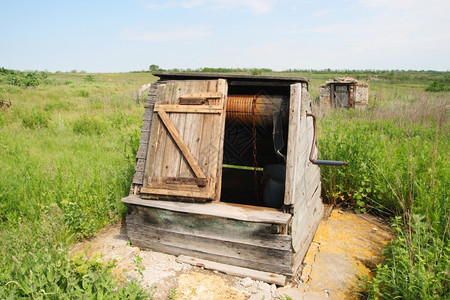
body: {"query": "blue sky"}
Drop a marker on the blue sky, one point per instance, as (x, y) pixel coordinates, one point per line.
(127, 35)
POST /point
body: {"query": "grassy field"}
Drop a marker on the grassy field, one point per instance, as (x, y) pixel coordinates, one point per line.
(67, 146)
(67, 150)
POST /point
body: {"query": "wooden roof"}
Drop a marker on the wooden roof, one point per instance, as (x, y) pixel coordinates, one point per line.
(342, 80)
(233, 78)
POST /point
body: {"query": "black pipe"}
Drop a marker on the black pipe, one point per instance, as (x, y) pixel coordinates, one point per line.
(318, 161)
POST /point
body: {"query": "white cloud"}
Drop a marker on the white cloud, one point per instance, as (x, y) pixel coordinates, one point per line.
(322, 12)
(417, 23)
(402, 3)
(255, 6)
(176, 34)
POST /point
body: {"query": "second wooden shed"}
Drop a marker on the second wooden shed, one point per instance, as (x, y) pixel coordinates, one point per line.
(344, 92)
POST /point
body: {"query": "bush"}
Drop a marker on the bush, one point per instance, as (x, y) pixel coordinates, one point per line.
(89, 126)
(21, 79)
(14, 79)
(415, 264)
(36, 119)
(398, 167)
(89, 78)
(83, 93)
(256, 72)
(439, 85)
(59, 185)
(44, 269)
(4, 71)
(31, 79)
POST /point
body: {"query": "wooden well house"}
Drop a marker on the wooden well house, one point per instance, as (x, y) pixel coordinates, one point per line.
(223, 172)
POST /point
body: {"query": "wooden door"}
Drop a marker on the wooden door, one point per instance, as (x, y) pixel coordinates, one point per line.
(341, 96)
(185, 150)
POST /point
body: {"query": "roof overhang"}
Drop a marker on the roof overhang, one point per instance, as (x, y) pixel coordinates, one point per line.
(233, 78)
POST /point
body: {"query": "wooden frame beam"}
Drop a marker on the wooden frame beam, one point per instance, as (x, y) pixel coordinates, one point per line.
(179, 108)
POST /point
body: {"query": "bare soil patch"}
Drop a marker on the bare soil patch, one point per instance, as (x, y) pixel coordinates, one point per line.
(346, 247)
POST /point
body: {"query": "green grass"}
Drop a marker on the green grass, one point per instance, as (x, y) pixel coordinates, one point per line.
(398, 168)
(66, 159)
(67, 147)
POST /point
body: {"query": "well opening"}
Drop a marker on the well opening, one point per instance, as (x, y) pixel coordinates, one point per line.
(256, 128)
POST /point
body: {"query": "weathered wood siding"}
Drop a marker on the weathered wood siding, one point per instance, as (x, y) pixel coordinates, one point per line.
(186, 141)
(325, 97)
(141, 155)
(361, 96)
(302, 177)
(234, 242)
(253, 237)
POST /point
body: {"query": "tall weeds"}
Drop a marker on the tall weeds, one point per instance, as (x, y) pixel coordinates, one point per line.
(65, 162)
(398, 167)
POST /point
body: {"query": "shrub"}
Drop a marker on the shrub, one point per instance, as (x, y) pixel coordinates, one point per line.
(83, 93)
(4, 71)
(439, 85)
(25, 80)
(31, 79)
(43, 75)
(89, 78)
(89, 126)
(76, 218)
(256, 72)
(44, 269)
(398, 167)
(14, 79)
(119, 119)
(36, 119)
(415, 264)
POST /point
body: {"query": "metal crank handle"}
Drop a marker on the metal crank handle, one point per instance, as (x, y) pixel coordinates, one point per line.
(318, 161)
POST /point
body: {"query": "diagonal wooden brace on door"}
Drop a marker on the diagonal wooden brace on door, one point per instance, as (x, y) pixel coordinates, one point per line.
(181, 144)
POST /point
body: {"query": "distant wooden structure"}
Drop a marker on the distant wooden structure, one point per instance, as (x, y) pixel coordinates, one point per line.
(201, 183)
(141, 91)
(344, 92)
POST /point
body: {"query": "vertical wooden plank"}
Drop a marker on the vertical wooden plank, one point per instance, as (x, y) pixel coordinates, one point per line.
(210, 145)
(206, 140)
(186, 131)
(156, 171)
(222, 87)
(155, 133)
(307, 205)
(192, 131)
(303, 235)
(172, 156)
(333, 104)
(292, 143)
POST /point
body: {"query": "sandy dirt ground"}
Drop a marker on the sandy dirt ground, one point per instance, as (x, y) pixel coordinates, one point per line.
(346, 247)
